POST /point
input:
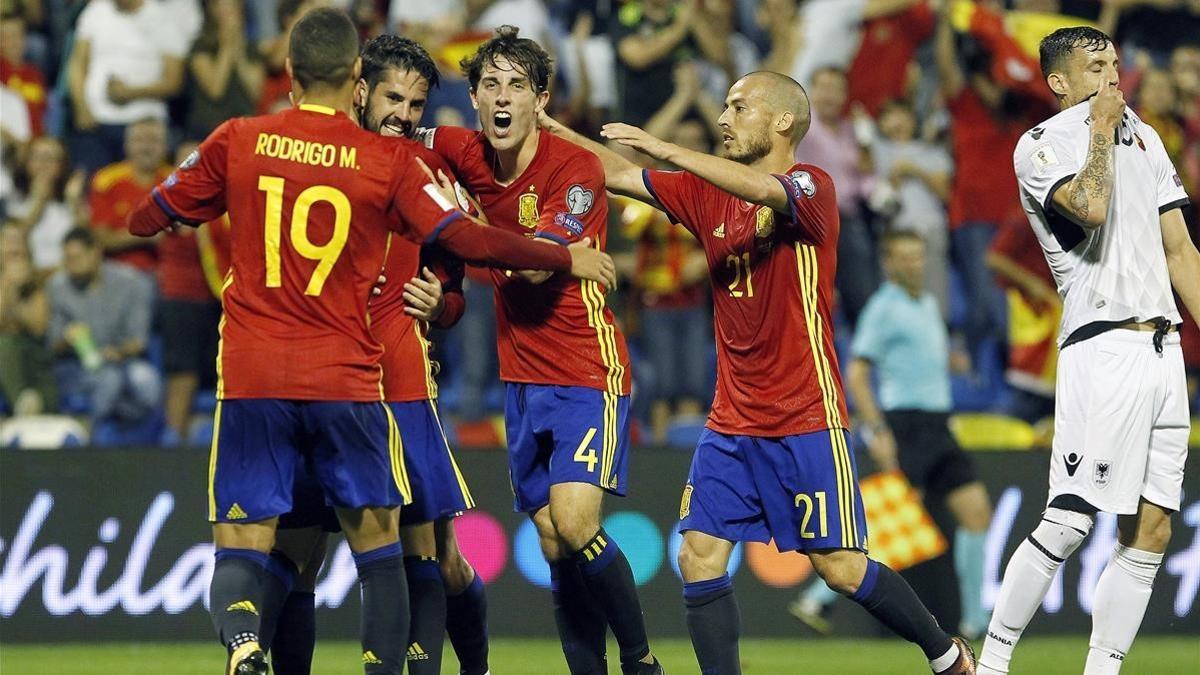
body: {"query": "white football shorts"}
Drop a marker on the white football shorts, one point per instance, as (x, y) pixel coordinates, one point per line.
(1121, 422)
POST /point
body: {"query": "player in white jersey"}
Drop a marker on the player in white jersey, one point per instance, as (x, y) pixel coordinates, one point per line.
(1104, 201)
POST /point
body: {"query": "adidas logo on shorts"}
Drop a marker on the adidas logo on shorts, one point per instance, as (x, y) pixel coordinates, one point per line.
(235, 513)
(243, 606)
(415, 653)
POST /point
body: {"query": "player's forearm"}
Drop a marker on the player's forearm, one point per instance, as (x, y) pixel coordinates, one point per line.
(620, 175)
(147, 218)
(858, 377)
(1088, 194)
(77, 73)
(639, 53)
(493, 247)
(737, 179)
(1184, 269)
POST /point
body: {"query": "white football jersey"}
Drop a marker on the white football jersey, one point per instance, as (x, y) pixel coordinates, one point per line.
(1117, 272)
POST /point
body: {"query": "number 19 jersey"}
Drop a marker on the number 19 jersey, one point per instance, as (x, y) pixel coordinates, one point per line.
(311, 198)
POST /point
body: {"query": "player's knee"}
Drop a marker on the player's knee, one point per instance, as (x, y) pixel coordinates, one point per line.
(1150, 534)
(842, 573)
(457, 573)
(575, 531)
(1062, 531)
(697, 564)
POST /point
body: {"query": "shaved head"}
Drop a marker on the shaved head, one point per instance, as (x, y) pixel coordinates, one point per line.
(782, 94)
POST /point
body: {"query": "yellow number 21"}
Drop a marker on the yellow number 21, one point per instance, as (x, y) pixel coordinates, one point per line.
(326, 254)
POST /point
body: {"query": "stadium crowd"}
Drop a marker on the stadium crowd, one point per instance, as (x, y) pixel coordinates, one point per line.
(917, 105)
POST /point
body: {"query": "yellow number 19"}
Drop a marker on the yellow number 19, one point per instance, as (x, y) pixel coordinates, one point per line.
(326, 254)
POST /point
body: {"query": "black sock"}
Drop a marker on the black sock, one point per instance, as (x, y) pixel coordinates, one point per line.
(427, 615)
(466, 624)
(582, 626)
(384, 609)
(713, 623)
(607, 574)
(295, 635)
(277, 584)
(889, 598)
(236, 594)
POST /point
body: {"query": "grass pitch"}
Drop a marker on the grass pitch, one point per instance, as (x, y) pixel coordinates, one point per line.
(1035, 655)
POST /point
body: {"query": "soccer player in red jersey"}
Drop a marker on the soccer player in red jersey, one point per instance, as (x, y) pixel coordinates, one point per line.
(774, 460)
(299, 369)
(562, 357)
(445, 595)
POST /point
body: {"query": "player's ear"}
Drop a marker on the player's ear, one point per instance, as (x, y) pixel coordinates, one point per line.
(287, 67)
(785, 123)
(1057, 83)
(474, 101)
(542, 99)
(356, 69)
(360, 94)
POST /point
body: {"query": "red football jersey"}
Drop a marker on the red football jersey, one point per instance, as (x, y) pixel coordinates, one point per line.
(408, 373)
(311, 197)
(560, 332)
(772, 282)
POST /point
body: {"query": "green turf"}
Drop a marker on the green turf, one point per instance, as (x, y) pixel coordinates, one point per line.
(1040, 656)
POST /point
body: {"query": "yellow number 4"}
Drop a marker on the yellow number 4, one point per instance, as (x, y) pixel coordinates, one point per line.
(587, 454)
(326, 254)
(808, 511)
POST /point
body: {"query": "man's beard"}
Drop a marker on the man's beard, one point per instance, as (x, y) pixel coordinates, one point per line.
(755, 148)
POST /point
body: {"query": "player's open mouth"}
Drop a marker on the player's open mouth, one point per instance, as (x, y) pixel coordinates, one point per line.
(394, 129)
(502, 120)
(726, 138)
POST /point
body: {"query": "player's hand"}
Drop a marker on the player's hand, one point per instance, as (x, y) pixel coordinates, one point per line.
(629, 135)
(440, 182)
(377, 289)
(593, 264)
(882, 448)
(84, 121)
(423, 296)
(118, 91)
(1108, 106)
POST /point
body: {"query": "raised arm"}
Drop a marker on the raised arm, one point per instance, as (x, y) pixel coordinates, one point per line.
(740, 180)
(640, 52)
(1183, 260)
(949, 72)
(1086, 197)
(620, 175)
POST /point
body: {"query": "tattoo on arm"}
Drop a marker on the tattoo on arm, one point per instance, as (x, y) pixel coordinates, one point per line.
(1094, 182)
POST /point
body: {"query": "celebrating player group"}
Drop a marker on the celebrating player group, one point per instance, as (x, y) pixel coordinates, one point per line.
(349, 226)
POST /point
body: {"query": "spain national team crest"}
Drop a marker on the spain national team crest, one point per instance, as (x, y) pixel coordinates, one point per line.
(685, 504)
(1101, 473)
(527, 210)
(764, 227)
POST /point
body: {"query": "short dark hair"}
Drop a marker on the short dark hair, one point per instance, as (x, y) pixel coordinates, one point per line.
(392, 51)
(1057, 46)
(892, 236)
(829, 69)
(521, 52)
(323, 48)
(81, 235)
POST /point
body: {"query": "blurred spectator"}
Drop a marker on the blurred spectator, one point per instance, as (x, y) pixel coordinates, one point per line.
(832, 145)
(1156, 103)
(1034, 313)
(880, 70)
(100, 323)
(126, 62)
(47, 201)
(530, 16)
(273, 50)
(19, 75)
(14, 134)
(188, 317)
(118, 187)
(651, 36)
(26, 380)
(919, 175)
(985, 183)
(1157, 25)
(588, 63)
(227, 74)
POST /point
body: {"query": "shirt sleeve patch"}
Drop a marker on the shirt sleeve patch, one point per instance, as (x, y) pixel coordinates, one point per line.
(424, 136)
(569, 222)
(803, 182)
(579, 199)
(1043, 156)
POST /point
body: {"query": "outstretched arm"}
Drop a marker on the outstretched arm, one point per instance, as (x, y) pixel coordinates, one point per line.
(620, 175)
(740, 180)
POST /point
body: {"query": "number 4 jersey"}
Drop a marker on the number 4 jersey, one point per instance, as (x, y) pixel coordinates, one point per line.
(311, 199)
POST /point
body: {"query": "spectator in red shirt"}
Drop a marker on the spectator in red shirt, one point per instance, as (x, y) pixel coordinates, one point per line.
(117, 188)
(188, 317)
(273, 50)
(984, 192)
(15, 73)
(879, 72)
